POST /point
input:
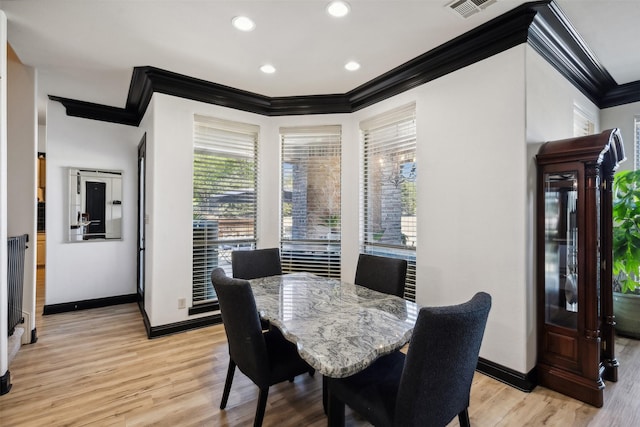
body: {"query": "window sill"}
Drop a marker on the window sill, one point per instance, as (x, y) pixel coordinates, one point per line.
(204, 308)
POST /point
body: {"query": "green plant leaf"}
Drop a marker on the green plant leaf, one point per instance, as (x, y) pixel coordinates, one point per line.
(626, 231)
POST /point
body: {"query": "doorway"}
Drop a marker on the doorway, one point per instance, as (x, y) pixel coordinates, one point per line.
(142, 218)
(41, 243)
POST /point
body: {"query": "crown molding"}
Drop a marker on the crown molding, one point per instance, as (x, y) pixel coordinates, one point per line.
(540, 23)
(105, 113)
(553, 37)
(493, 37)
(147, 80)
(622, 94)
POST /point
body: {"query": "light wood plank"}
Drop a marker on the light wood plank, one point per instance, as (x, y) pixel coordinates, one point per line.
(97, 368)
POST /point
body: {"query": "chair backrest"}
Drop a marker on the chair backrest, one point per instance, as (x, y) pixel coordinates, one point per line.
(440, 362)
(256, 263)
(241, 321)
(381, 274)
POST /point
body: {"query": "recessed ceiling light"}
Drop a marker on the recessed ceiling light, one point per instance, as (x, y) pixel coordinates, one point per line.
(338, 8)
(352, 65)
(243, 23)
(268, 69)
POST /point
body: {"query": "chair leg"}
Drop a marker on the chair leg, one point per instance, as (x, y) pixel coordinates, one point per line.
(262, 404)
(335, 416)
(463, 418)
(227, 383)
(325, 396)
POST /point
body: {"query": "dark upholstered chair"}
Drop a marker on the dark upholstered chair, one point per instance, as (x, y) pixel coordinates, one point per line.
(256, 263)
(382, 274)
(267, 358)
(431, 384)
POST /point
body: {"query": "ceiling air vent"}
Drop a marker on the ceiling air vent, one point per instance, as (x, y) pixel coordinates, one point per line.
(466, 8)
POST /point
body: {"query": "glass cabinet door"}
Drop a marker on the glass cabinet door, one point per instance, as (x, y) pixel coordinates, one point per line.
(561, 248)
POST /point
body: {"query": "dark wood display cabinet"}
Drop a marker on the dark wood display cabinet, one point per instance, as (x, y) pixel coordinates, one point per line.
(575, 318)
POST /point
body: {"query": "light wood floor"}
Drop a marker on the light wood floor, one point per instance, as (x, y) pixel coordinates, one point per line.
(97, 368)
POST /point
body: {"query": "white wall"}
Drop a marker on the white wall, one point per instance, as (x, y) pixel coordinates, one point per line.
(550, 102)
(169, 199)
(471, 205)
(622, 117)
(471, 200)
(42, 138)
(169, 123)
(92, 269)
(472, 231)
(4, 357)
(21, 170)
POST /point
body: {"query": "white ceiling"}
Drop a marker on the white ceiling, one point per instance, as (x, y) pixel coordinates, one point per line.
(86, 49)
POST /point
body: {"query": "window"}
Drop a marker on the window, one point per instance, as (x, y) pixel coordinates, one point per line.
(310, 227)
(582, 123)
(637, 143)
(224, 197)
(388, 188)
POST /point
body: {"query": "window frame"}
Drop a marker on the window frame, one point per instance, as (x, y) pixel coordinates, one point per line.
(232, 145)
(583, 122)
(316, 245)
(380, 135)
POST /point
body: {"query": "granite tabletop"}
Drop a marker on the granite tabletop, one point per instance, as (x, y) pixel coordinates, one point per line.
(339, 328)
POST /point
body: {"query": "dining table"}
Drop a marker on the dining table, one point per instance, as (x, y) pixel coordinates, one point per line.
(339, 328)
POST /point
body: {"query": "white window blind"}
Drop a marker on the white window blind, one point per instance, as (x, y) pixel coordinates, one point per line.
(224, 197)
(389, 221)
(310, 219)
(637, 143)
(582, 124)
